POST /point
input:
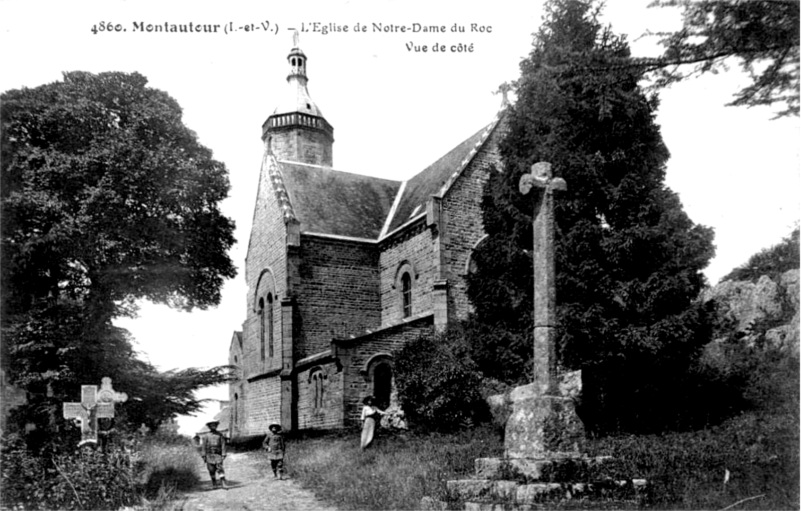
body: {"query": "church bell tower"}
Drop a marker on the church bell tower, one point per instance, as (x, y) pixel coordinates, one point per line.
(296, 130)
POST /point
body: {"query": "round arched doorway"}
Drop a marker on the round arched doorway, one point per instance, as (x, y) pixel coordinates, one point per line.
(382, 384)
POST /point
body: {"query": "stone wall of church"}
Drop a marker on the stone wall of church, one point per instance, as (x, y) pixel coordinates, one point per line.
(302, 145)
(337, 292)
(462, 225)
(265, 271)
(236, 397)
(320, 397)
(357, 353)
(263, 406)
(415, 246)
(236, 389)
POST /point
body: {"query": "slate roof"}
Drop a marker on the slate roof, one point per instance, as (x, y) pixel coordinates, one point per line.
(435, 177)
(328, 201)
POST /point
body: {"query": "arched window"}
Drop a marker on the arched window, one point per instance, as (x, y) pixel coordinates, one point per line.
(262, 326)
(317, 380)
(406, 292)
(270, 336)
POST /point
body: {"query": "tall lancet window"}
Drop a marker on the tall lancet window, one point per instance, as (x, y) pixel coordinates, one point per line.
(406, 291)
(270, 325)
(262, 326)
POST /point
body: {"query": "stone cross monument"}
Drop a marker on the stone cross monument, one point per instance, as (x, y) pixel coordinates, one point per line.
(543, 461)
(543, 424)
(94, 405)
(544, 185)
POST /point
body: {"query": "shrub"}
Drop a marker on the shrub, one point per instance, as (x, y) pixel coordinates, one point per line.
(758, 451)
(126, 473)
(771, 261)
(438, 383)
(85, 479)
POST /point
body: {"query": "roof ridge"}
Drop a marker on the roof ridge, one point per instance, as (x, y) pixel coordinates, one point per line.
(281, 194)
(393, 209)
(469, 158)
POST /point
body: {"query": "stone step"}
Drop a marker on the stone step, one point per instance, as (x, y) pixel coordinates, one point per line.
(492, 491)
(594, 505)
(551, 469)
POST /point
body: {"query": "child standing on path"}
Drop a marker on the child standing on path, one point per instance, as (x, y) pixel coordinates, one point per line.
(275, 447)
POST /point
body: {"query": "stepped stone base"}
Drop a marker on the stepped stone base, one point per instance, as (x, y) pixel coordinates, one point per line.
(542, 467)
(560, 469)
(512, 493)
(509, 484)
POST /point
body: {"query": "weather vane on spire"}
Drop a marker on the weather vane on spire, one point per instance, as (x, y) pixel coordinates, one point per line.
(295, 38)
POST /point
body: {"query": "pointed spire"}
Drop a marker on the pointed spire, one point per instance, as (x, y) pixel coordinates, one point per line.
(297, 62)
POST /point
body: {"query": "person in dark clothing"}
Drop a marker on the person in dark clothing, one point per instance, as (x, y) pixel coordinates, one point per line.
(213, 450)
(275, 446)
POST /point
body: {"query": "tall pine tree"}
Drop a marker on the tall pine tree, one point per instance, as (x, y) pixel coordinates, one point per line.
(628, 259)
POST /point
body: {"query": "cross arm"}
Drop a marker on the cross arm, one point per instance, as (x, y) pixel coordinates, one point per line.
(105, 410)
(75, 411)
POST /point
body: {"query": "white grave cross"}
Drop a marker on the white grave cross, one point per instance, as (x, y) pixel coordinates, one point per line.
(94, 405)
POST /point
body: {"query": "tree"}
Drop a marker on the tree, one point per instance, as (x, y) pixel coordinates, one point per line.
(771, 261)
(106, 198)
(628, 258)
(762, 34)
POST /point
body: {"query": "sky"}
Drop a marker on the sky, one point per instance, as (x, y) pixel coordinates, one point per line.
(396, 105)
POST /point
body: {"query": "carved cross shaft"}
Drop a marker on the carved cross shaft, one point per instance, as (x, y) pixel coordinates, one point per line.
(542, 182)
(94, 405)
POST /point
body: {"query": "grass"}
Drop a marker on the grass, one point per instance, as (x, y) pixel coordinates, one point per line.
(168, 467)
(170, 464)
(759, 450)
(395, 473)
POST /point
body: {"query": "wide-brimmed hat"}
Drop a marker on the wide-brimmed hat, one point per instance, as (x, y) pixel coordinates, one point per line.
(212, 423)
(367, 400)
(275, 427)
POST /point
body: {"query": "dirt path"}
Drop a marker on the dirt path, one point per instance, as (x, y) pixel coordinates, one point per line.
(251, 487)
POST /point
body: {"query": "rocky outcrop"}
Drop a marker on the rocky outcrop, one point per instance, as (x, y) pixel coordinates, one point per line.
(765, 311)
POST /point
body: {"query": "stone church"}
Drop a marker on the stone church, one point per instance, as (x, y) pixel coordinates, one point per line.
(343, 269)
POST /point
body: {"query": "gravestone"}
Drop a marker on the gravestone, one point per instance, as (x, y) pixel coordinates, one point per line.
(94, 405)
(543, 424)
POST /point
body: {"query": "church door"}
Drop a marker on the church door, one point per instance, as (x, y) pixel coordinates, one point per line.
(382, 385)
